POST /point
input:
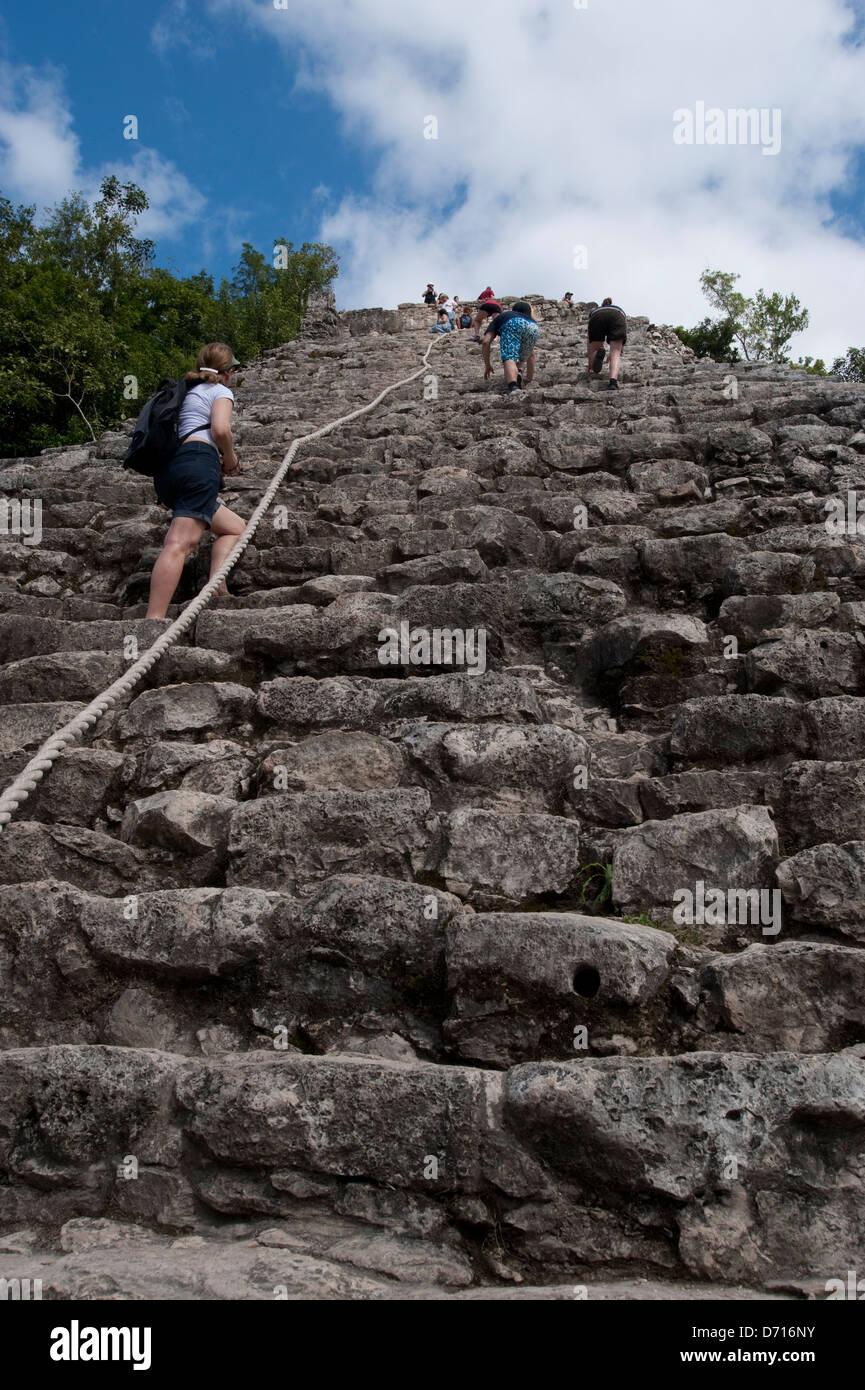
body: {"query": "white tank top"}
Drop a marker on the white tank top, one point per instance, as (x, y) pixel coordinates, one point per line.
(197, 407)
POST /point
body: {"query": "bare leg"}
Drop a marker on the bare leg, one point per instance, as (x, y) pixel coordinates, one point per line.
(615, 358)
(227, 528)
(593, 348)
(530, 369)
(510, 370)
(181, 540)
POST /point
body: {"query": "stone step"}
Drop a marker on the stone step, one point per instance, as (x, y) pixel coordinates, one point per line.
(163, 1138)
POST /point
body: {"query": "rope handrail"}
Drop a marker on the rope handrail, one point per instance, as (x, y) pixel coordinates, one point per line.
(44, 759)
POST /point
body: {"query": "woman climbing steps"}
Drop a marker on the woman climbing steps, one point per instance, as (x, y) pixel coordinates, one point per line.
(189, 483)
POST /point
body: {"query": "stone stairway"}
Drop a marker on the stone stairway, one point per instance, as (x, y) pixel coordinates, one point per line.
(325, 976)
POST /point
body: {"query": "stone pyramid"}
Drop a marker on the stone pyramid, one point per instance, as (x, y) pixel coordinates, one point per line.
(530, 960)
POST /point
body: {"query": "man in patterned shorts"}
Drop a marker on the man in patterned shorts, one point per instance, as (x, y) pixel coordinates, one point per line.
(517, 333)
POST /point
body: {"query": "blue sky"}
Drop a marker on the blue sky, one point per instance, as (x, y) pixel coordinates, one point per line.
(275, 156)
(554, 130)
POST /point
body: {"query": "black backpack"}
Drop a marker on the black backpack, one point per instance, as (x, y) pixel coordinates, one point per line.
(155, 438)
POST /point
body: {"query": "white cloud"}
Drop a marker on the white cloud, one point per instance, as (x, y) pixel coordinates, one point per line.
(174, 202)
(182, 27)
(41, 162)
(39, 151)
(555, 127)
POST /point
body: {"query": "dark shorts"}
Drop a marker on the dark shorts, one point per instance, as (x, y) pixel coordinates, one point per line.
(608, 325)
(190, 483)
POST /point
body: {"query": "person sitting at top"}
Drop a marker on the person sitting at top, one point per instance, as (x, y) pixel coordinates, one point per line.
(568, 298)
(486, 294)
(518, 333)
(429, 295)
(443, 323)
(446, 303)
(189, 482)
(607, 324)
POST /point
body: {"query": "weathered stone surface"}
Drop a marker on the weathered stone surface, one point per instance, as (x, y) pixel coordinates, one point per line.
(27, 726)
(792, 996)
(512, 856)
(70, 675)
(737, 728)
(85, 858)
(764, 572)
(520, 981)
(284, 841)
(836, 727)
(683, 1116)
(824, 886)
(324, 762)
(450, 567)
(186, 709)
(623, 639)
(823, 801)
(529, 767)
(310, 1113)
(218, 767)
(725, 849)
(190, 821)
(192, 933)
(807, 664)
(754, 618)
(83, 781)
(308, 1064)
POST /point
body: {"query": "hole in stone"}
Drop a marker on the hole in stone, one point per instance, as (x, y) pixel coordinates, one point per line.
(587, 981)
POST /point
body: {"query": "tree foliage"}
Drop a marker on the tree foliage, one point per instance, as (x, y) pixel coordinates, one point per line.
(762, 326)
(851, 367)
(89, 325)
(711, 338)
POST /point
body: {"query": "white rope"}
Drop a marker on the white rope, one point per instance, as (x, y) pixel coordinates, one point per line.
(41, 763)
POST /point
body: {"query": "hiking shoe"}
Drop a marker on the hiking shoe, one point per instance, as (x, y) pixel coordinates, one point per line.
(512, 387)
(614, 385)
(598, 361)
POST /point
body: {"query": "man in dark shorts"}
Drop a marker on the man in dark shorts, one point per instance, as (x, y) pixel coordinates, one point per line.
(607, 324)
(486, 312)
(429, 295)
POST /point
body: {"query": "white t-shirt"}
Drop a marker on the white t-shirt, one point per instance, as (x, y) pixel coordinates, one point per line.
(196, 409)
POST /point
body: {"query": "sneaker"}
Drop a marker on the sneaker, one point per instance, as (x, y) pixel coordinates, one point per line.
(512, 387)
(598, 361)
(519, 378)
(614, 385)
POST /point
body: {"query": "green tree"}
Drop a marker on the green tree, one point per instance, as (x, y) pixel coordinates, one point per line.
(814, 366)
(264, 302)
(851, 367)
(711, 338)
(84, 310)
(764, 325)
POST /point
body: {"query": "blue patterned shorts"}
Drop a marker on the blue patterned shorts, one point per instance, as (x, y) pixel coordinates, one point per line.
(517, 339)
